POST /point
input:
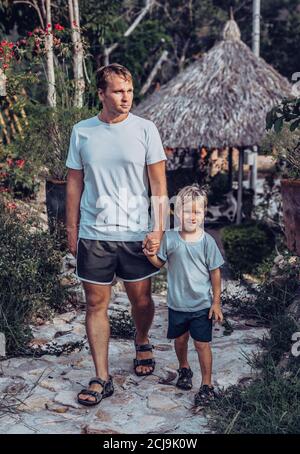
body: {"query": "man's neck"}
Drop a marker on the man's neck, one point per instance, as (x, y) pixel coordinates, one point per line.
(110, 118)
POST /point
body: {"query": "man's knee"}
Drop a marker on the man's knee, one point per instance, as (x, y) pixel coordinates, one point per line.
(96, 303)
(144, 301)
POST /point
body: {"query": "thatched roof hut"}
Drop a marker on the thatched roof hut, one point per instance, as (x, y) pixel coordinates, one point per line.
(220, 100)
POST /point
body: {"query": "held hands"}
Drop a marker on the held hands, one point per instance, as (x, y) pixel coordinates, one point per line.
(216, 312)
(151, 243)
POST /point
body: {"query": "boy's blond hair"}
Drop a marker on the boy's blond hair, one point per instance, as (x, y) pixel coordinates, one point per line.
(190, 194)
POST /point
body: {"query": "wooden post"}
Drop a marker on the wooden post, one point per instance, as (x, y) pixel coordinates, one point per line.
(256, 28)
(230, 169)
(256, 51)
(240, 187)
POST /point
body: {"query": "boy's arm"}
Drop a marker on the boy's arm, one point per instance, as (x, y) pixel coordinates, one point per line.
(155, 261)
(215, 276)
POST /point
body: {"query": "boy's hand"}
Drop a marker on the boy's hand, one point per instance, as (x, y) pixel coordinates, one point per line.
(151, 247)
(151, 243)
(216, 311)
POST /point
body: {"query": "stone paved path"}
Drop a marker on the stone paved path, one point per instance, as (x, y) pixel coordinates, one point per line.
(48, 385)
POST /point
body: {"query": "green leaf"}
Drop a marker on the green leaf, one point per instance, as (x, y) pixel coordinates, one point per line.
(278, 125)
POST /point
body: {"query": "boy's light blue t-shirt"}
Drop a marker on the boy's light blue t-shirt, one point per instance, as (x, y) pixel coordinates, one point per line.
(114, 157)
(189, 263)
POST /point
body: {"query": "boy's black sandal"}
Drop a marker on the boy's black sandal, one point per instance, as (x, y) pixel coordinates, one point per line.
(185, 378)
(108, 389)
(205, 395)
(143, 362)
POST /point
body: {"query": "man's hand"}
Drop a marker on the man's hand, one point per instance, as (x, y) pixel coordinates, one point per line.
(216, 311)
(72, 234)
(151, 243)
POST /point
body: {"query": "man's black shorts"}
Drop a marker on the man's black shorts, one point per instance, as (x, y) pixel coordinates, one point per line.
(99, 261)
(197, 323)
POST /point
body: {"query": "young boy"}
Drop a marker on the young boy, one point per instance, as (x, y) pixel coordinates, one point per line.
(194, 262)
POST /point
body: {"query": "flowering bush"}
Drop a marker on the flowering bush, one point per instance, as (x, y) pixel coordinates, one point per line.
(17, 175)
(7, 53)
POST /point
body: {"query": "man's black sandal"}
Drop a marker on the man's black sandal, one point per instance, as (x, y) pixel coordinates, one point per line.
(185, 378)
(143, 362)
(108, 389)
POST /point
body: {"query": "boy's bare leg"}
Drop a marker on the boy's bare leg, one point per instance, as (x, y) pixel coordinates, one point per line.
(181, 349)
(205, 359)
(98, 330)
(139, 294)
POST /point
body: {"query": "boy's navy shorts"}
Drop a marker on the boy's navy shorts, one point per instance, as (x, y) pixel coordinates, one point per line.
(197, 323)
(98, 262)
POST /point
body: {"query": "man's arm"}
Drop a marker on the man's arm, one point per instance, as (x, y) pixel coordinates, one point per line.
(73, 197)
(158, 184)
(215, 309)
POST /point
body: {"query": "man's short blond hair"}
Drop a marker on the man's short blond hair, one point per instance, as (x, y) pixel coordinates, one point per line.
(188, 194)
(104, 72)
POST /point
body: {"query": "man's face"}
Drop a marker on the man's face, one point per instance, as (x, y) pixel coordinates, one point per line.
(118, 96)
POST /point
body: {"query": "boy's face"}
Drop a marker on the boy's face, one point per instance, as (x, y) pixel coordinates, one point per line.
(118, 96)
(192, 215)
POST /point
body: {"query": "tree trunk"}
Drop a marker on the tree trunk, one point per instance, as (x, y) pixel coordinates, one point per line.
(51, 95)
(78, 53)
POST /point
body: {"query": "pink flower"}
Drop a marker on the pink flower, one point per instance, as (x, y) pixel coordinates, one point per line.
(11, 205)
(48, 25)
(29, 33)
(10, 161)
(20, 163)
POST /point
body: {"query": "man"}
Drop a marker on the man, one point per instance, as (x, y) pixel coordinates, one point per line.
(112, 159)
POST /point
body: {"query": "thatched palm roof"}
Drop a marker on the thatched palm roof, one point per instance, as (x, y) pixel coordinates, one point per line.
(220, 100)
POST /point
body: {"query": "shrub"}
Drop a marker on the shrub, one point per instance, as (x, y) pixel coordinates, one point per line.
(270, 403)
(46, 138)
(246, 246)
(30, 265)
(17, 174)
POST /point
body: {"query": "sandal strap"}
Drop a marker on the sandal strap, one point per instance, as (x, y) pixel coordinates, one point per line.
(97, 380)
(144, 348)
(89, 392)
(144, 362)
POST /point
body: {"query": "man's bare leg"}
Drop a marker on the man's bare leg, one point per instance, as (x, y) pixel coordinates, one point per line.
(98, 330)
(139, 294)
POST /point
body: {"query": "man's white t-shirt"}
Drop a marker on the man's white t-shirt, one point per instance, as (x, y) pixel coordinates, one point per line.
(114, 157)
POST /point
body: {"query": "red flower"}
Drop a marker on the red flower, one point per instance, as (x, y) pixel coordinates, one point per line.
(20, 163)
(59, 27)
(48, 25)
(10, 161)
(29, 33)
(5, 66)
